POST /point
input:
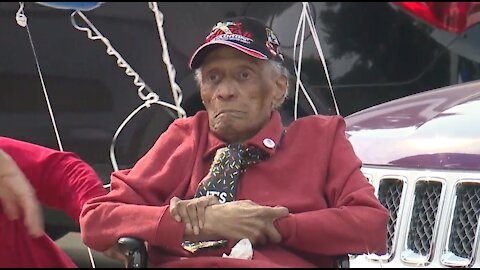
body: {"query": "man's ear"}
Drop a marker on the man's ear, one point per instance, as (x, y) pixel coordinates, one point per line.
(281, 84)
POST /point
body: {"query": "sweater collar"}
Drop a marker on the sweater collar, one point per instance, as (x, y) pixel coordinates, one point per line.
(268, 138)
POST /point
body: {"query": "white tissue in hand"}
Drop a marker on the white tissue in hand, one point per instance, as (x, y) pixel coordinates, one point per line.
(242, 250)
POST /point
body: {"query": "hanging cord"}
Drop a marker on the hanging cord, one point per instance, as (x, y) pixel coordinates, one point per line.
(298, 68)
(150, 98)
(22, 21)
(299, 83)
(146, 104)
(139, 82)
(176, 90)
(320, 52)
(305, 16)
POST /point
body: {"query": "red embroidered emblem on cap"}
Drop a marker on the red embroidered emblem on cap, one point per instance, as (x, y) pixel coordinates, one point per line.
(229, 31)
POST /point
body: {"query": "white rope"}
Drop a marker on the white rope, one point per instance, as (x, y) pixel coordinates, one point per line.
(305, 16)
(147, 104)
(299, 83)
(150, 98)
(138, 81)
(176, 90)
(22, 21)
(320, 53)
(298, 68)
(90, 256)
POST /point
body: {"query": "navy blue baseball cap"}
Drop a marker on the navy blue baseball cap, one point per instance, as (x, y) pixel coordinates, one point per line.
(245, 34)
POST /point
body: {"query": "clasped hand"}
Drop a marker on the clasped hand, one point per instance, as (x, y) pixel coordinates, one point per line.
(206, 219)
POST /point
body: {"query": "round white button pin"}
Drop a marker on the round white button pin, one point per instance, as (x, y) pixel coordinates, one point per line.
(269, 143)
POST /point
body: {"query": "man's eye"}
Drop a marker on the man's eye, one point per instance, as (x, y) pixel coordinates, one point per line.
(212, 77)
(245, 75)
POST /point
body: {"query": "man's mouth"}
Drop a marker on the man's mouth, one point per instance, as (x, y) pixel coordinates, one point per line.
(224, 112)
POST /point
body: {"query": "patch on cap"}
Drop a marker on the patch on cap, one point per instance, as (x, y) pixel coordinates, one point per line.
(245, 34)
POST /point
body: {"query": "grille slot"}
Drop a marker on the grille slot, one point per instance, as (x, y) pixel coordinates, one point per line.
(423, 222)
(390, 193)
(464, 225)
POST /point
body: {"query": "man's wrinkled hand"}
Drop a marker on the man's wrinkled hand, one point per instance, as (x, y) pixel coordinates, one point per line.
(245, 219)
(191, 212)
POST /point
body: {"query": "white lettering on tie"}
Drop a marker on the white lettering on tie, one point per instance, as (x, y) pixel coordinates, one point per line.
(222, 196)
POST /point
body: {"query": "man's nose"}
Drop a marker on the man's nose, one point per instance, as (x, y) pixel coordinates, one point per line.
(226, 91)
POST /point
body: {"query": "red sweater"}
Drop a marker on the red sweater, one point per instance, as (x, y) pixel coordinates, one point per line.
(313, 172)
(62, 181)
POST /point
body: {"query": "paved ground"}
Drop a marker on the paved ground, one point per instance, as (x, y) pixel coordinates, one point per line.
(73, 246)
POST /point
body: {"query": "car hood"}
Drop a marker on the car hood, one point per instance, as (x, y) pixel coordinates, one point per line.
(437, 129)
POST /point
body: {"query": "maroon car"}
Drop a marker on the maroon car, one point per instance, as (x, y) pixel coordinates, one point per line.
(422, 155)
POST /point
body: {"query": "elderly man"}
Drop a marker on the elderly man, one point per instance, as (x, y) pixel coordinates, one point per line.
(30, 174)
(296, 193)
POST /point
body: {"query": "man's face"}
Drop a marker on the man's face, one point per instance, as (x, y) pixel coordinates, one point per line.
(239, 93)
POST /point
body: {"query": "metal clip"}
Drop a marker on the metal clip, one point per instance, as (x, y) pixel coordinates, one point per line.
(20, 16)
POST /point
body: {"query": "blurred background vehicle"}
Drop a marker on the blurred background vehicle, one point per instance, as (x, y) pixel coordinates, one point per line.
(422, 155)
(375, 52)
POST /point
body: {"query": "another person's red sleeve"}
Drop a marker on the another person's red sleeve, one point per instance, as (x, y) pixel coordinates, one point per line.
(61, 179)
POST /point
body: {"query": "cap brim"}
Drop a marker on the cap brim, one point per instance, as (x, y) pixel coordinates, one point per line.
(200, 53)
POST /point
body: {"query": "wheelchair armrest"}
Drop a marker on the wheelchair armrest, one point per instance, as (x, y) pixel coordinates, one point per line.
(343, 261)
(135, 252)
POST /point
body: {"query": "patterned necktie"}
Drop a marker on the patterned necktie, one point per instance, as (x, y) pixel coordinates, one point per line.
(228, 165)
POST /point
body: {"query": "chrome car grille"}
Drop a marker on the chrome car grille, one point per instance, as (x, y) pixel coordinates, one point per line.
(390, 194)
(463, 225)
(465, 220)
(434, 217)
(423, 222)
